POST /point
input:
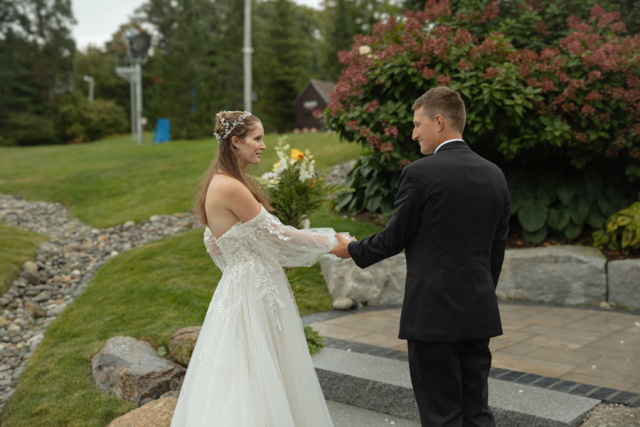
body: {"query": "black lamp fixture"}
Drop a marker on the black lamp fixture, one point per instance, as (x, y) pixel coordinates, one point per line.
(139, 44)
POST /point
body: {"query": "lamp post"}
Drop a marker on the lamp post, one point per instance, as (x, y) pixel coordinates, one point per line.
(247, 51)
(138, 43)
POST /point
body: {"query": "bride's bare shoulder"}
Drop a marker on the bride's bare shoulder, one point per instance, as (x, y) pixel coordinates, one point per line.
(225, 184)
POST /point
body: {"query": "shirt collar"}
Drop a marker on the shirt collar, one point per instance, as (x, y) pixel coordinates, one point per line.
(446, 142)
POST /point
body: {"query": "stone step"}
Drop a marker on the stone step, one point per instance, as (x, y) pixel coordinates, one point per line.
(344, 415)
(384, 385)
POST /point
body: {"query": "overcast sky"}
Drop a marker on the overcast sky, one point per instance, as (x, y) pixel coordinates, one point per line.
(99, 19)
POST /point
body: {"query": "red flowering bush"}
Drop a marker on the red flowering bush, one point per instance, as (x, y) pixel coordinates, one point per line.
(573, 108)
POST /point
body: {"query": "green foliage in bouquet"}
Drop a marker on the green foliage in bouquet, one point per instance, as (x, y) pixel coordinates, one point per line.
(314, 340)
(621, 231)
(293, 188)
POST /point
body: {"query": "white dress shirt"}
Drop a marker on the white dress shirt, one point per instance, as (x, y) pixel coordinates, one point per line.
(446, 142)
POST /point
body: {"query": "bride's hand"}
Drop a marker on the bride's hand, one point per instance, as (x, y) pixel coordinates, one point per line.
(341, 250)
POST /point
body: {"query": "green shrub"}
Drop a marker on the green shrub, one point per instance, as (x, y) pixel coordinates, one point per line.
(621, 231)
(572, 106)
(7, 142)
(551, 204)
(81, 120)
(28, 129)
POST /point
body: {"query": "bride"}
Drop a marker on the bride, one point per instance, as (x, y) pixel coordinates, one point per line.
(251, 366)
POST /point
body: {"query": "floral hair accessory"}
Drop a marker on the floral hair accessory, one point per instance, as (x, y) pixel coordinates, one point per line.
(229, 127)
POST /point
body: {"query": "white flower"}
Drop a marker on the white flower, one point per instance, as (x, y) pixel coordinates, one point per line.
(364, 50)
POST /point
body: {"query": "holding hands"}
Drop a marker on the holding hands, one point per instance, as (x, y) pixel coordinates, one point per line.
(341, 249)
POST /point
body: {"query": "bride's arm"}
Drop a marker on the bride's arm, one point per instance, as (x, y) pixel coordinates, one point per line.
(293, 247)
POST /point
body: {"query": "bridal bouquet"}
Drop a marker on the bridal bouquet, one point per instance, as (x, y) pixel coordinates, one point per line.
(293, 187)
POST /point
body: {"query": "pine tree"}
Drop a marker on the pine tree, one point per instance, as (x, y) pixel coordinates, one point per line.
(229, 57)
(286, 66)
(186, 87)
(36, 53)
(339, 37)
(342, 20)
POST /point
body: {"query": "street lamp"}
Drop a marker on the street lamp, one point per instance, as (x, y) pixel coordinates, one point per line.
(138, 44)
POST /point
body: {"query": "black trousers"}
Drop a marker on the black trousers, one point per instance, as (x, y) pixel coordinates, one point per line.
(450, 382)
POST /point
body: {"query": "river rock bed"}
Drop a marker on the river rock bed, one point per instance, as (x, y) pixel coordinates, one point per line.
(61, 271)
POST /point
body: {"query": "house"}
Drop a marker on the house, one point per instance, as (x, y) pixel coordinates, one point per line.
(314, 97)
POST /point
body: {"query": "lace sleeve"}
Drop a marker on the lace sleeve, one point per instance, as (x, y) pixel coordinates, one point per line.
(293, 247)
(213, 250)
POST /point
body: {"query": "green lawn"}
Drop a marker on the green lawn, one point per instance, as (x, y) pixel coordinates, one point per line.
(16, 247)
(114, 180)
(147, 293)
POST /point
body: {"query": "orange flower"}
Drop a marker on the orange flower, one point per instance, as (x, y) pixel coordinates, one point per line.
(297, 154)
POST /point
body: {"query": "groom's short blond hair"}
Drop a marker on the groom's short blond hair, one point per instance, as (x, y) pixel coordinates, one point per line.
(446, 102)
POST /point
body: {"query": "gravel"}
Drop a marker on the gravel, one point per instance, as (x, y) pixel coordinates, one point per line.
(613, 415)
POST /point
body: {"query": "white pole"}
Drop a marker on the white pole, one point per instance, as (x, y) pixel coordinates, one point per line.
(132, 89)
(139, 101)
(91, 82)
(247, 51)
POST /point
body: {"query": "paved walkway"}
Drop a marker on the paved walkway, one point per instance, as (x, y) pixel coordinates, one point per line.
(583, 345)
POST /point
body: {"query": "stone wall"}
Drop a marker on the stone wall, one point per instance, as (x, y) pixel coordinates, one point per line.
(572, 275)
(624, 282)
(558, 274)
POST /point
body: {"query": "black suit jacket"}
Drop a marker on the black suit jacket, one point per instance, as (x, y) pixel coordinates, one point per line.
(451, 214)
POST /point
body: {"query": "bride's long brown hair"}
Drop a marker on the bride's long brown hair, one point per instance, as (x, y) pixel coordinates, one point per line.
(227, 162)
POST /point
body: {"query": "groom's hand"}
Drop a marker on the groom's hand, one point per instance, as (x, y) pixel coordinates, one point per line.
(341, 250)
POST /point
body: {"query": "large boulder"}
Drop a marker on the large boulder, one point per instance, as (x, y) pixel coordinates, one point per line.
(624, 282)
(133, 371)
(559, 274)
(157, 413)
(378, 285)
(182, 343)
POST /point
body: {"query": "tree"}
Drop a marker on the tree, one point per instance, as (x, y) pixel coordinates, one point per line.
(229, 60)
(184, 86)
(36, 52)
(339, 37)
(100, 65)
(286, 70)
(341, 21)
(414, 5)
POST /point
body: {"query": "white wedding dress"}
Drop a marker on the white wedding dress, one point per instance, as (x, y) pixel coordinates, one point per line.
(251, 366)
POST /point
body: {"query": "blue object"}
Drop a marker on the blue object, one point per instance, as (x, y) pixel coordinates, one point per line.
(161, 134)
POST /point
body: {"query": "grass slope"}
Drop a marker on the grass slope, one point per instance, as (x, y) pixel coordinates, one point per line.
(16, 247)
(114, 180)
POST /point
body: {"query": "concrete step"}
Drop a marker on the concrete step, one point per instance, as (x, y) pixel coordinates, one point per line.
(344, 415)
(384, 385)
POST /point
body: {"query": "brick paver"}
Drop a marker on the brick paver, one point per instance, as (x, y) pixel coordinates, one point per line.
(583, 345)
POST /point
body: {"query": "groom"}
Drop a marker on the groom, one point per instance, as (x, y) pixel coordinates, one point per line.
(451, 215)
